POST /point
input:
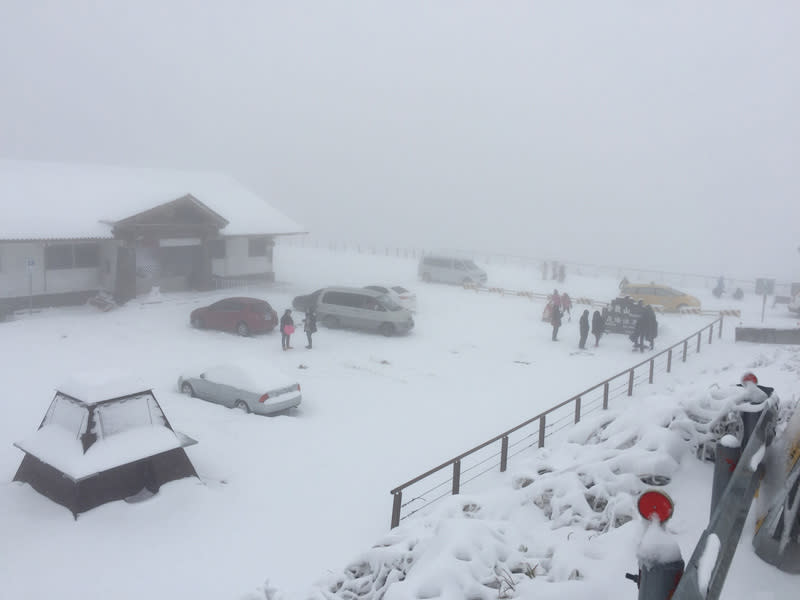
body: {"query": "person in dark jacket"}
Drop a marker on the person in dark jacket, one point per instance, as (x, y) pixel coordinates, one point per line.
(287, 327)
(651, 326)
(637, 337)
(598, 326)
(310, 325)
(584, 329)
(555, 320)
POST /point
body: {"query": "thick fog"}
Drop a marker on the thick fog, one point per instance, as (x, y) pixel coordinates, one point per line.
(663, 136)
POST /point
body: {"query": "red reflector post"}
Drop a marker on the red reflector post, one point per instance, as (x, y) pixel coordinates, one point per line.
(655, 504)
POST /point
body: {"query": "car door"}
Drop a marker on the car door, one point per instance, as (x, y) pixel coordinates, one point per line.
(352, 309)
(203, 388)
(459, 272)
(214, 317)
(235, 314)
(650, 295)
(370, 313)
(664, 298)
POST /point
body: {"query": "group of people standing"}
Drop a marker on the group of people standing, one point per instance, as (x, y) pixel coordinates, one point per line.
(561, 304)
(287, 327)
(558, 269)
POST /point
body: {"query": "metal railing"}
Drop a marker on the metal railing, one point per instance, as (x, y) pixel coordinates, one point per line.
(486, 457)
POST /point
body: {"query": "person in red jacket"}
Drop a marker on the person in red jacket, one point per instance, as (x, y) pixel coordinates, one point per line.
(566, 305)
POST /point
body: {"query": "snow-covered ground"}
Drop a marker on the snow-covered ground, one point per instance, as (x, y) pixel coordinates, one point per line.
(295, 499)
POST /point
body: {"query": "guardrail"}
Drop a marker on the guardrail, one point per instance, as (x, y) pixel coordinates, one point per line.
(595, 303)
(573, 268)
(530, 295)
(485, 457)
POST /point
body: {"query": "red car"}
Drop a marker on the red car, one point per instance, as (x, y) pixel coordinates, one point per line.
(242, 315)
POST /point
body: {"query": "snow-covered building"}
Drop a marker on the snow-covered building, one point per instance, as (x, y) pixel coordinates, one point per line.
(69, 231)
(104, 438)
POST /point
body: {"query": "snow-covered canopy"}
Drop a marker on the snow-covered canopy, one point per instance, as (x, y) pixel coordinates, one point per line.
(91, 387)
(59, 448)
(66, 201)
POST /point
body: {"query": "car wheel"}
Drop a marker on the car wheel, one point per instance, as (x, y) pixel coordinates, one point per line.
(426, 277)
(197, 323)
(242, 329)
(186, 388)
(681, 307)
(330, 322)
(242, 406)
(386, 329)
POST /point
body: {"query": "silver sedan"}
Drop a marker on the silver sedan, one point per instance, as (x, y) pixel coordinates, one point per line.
(255, 388)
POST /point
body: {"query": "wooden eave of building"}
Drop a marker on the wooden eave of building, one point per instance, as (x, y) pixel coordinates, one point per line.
(164, 220)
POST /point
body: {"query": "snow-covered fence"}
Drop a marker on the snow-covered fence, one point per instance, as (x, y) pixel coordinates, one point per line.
(686, 280)
(451, 476)
(712, 313)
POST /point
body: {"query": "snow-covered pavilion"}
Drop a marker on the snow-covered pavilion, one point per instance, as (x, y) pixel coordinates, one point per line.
(104, 437)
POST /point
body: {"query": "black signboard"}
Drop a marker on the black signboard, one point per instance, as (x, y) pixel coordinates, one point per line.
(622, 316)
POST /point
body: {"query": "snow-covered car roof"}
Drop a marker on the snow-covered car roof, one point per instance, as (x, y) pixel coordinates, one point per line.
(252, 376)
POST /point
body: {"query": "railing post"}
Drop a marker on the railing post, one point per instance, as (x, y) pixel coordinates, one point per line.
(504, 454)
(710, 333)
(719, 333)
(652, 365)
(542, 423)
(685, 348)
(577, 409)
(456, 476)
(699, 340)
(630, 382)
(669, 360)
(605, 396)
(398, 500)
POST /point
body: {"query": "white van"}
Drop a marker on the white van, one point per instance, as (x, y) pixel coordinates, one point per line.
(362, 309)
(450, 269)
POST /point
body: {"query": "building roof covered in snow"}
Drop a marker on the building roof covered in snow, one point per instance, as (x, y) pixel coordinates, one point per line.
(67, 201)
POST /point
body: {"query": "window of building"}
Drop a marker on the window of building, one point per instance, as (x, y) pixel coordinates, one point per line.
(216, 248)
(71, 256)
(257, 247)
(58, 256)
(86, 256)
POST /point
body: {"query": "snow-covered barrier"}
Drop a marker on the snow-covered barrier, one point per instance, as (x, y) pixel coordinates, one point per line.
(768, 335)
(544, 525)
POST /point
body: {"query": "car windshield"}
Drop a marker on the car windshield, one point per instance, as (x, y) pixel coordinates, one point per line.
(388, 303)
(400, 290)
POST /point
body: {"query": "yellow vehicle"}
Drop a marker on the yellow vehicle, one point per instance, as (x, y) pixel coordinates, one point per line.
(668, 298)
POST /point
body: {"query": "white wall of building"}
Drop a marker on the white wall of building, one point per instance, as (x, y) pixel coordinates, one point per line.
(238, 263)
(14, 277)
(17, 280)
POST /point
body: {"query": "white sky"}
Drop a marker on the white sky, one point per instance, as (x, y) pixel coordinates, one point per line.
(616, 132)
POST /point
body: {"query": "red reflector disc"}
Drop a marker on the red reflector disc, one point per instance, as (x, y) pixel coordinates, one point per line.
(655, 504)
